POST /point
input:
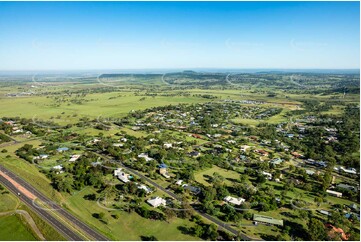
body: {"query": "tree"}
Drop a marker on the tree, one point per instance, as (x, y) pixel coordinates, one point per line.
(169, 213)
(149, 238)
(211, 232)
(316, 230)
(198, 230)
(327, 178)
(101, 215)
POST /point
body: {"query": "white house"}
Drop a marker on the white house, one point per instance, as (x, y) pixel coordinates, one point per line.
(157, 201)
(268, 175)
(334, 193)
(74, 158)
(145, 188)
(145, 156)
(124, 177)
(349, 171)
(244, 148)
(167, 145)
(43, 156)
(118, 145)
(235, 201)
(58, 167)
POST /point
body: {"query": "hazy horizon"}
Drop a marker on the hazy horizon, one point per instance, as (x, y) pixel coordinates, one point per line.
(179, 35)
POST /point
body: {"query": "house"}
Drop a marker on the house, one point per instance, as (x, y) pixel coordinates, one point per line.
(267, 220)
(118, 145)
(124, 177)
(310, 172)
(74, 158)
(262, 152)
(321, 164)
(276, 161)
(235, 201)
(194, 153)
(96, 163)
(346, 187)
(324, 212)
(145, 188)
(349, 170)
(145, 156)
(196, 136)
(62, 149)
(43, 156)
(58, 168)
(244, 148)
(167, 145)
(334, 193)
(296, 154)
(163, 170)
(268, 175)
(11, 123)
(349, 216)
(243, 157)
(18, 131)
(95, 140)
(354, 207)
(157, 201)
(194, 190)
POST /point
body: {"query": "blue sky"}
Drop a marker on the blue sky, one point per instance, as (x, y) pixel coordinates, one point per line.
(146, 35)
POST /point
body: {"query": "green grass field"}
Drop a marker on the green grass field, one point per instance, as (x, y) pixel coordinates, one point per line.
(201, 175)
(8, 202)
(128, 226)
(40, 107)
(13, 228)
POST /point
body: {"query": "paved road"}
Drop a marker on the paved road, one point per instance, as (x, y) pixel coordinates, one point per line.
(46, 215)
(68, 234)
(214, 220)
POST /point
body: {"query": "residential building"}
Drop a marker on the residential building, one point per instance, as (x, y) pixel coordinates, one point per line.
(334, 193)
(157, 201)
(235, 201)
(267, 220)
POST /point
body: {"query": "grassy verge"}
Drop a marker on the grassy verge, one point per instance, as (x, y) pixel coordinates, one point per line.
(48, 231)
(13, 228)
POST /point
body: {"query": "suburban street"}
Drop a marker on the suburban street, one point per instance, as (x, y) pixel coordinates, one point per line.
(216, 221)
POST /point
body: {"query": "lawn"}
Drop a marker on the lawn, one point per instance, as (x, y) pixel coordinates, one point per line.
(13, 228)
(8, 202)
(129, 226)
(201, 176)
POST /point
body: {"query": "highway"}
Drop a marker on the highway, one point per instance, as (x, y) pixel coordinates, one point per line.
(65, 231)
(69, 234)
